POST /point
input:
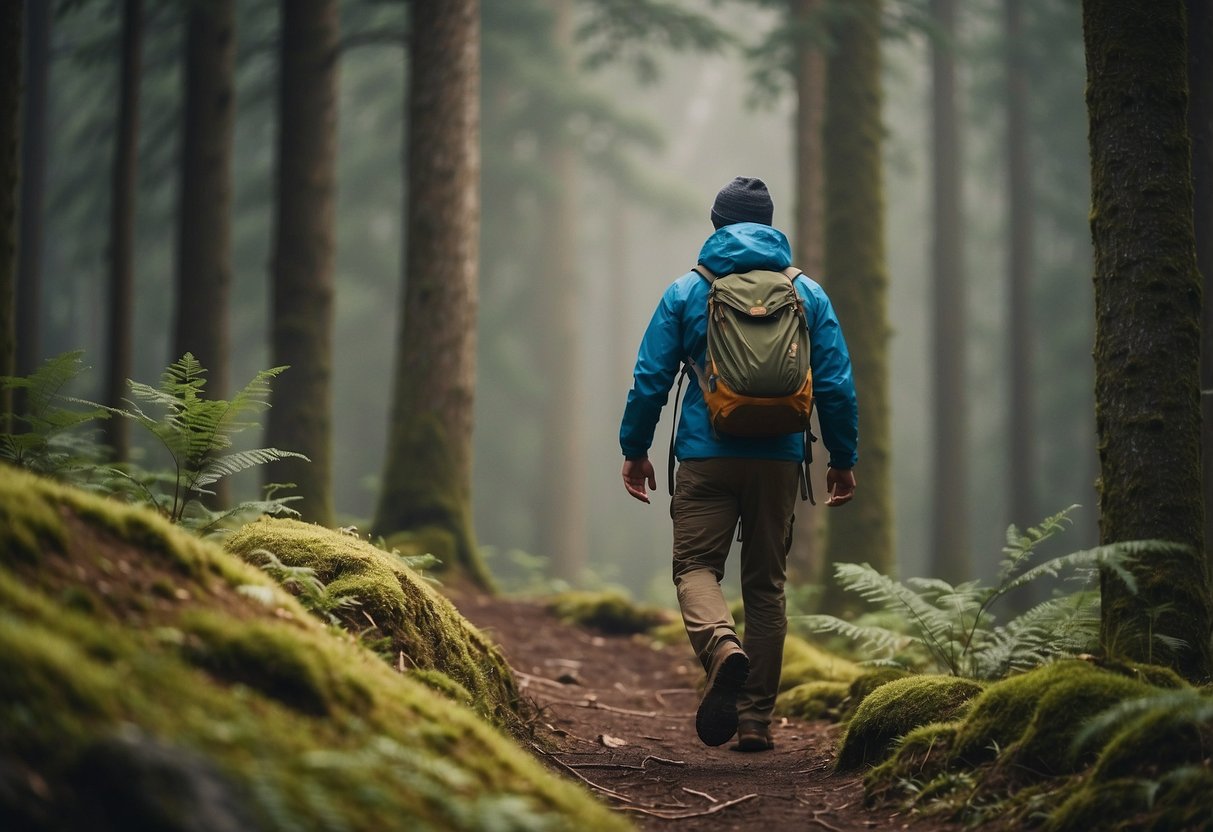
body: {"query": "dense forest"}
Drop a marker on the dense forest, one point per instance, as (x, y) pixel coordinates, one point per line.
(318, 319)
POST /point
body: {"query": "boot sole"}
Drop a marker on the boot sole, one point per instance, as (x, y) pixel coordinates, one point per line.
(716, 719)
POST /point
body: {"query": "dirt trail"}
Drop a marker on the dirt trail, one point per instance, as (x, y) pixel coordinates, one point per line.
(621, 690)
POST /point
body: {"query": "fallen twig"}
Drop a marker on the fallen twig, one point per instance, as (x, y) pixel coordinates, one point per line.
(629, 766)
(657, 759)
(667, 815)
(608, 792)
(704, 795)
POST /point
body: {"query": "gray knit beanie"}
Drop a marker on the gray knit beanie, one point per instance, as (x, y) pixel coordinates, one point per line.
(743, 200)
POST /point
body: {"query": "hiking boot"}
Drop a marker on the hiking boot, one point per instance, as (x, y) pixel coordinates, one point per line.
(716, 720)
(754, 736)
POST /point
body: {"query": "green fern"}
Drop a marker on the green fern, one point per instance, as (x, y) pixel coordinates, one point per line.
(197, 432)
(49, 441)
(952, 628)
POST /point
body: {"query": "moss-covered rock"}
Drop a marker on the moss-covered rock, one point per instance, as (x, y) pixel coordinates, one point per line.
(812, 700)
(1026, 712)
(897, 707)
(863, 685)
(1154, 767)
(805, 662)
(420, 623)
(198, 706)
(920, 757)
(611, 612)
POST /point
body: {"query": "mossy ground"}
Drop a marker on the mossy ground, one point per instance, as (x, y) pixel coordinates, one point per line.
(140, 688)
(423, 629)
(894, 709)
(1035, 749)
(609, 611)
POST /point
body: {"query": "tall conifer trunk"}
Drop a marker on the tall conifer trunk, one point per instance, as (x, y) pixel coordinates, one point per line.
(808, 244)
(301, 418)
(1021, 398)
(949, 553)
(11, 14)
(1147, 326)
(427, 479)
(204, 216)
(124, 187)
(562, 508)
(855, 277)
(33, 184)
(1200, 127)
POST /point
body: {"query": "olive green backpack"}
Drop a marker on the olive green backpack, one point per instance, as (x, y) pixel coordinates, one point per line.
(756, 379)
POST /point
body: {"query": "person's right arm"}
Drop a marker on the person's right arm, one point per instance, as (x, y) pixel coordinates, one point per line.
(657, 364)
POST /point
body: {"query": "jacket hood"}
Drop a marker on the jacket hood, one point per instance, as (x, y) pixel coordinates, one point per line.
(745, 246)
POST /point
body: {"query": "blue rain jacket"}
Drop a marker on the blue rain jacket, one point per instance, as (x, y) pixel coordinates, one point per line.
(679, 329)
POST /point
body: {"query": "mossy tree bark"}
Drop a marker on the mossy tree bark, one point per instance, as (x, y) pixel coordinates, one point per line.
(809, 73)
(1021, 400)
(562, 510)
(949, 555)
(857, 282)
(302, 285)
(1147, 317)
(427, 488)
(11, 15)
(123, 188)
(204, 272)
(1200, 127)
(35, 75)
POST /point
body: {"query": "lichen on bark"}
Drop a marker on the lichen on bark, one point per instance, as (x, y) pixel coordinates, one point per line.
(1147, 312)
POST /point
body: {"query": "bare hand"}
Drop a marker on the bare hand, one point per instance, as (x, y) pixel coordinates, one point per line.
(636, 472)
(840, 482)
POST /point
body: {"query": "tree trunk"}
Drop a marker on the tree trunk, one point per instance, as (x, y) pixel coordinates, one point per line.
(1021, 401)
(808, 251)
(204, 217)
(562, 509)
(204, 273)
(33, 185)
(1200, 127)
(856, 279)
(949, 554)
(10, 132)
(427, 475)
(122, 227)
(1147, 325)
(302, 302)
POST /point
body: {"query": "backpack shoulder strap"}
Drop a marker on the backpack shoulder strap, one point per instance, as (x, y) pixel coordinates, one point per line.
(792, 272)
(704, 272)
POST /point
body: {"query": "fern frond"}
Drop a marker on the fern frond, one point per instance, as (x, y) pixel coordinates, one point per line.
(225, 466)
(1112, 557)
(935, 627)
(877, 638)
(1021, 546)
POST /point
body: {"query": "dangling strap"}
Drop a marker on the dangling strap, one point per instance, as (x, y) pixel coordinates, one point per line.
(674, 429)
(806, 479)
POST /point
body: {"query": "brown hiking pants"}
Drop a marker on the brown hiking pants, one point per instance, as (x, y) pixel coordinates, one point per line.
(710, 496)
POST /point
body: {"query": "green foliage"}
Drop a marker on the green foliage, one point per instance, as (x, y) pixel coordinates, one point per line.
(300, 581)
(609, 611)
(197, 434)
(952, 628)
(48, 442)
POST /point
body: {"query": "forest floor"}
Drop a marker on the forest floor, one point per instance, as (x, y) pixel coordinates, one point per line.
(618, 713)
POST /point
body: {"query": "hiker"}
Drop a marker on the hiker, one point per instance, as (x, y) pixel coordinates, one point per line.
(751, 475)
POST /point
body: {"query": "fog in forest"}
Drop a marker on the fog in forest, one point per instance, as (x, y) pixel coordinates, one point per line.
(654, 145)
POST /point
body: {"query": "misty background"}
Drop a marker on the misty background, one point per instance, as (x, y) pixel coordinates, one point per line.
(656, 143)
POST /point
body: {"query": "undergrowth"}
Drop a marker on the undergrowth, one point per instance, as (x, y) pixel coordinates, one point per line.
(951, 629)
